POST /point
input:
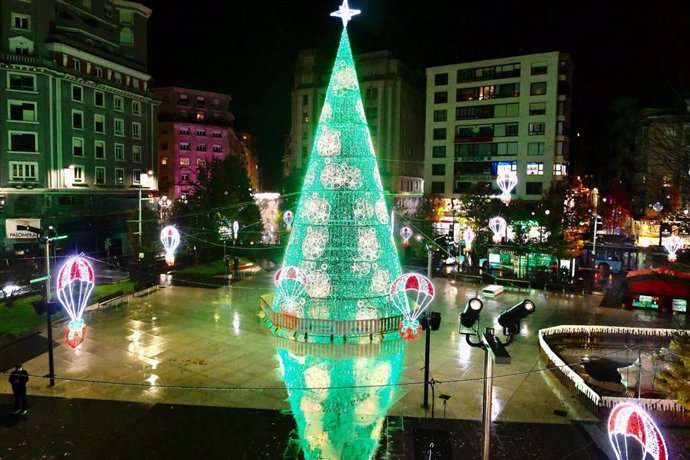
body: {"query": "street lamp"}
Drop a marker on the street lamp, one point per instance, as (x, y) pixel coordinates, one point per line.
(143, 177)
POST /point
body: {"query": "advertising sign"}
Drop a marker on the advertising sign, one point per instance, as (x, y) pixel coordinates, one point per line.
(12, 232)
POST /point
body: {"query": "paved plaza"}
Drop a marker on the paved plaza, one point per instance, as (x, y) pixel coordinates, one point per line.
(209, 347)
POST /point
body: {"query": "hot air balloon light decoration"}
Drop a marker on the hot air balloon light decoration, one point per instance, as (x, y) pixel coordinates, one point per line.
(498, 227)
(672, 245)
(631, 429)
(170, 238)
(406, 234)
(468, 235)
(506, 181)
(288, 217)
(411, 293)
(290, 282)
(75, 282)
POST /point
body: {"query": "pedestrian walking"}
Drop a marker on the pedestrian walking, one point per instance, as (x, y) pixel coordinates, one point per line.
(18, 379)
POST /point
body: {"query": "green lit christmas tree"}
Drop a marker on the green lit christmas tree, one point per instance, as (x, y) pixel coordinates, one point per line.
(341, 243)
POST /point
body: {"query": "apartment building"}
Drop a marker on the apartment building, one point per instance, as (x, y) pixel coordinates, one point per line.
(393, 98)
(490, 116)
(77, 131)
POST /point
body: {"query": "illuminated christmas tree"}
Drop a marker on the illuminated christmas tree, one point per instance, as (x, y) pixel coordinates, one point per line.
(341, 248)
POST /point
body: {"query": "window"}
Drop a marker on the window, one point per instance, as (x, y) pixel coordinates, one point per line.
(23, 170)
(438, 151)
(563, 88)
(372, 94)
(77, 93)
(77, 147)
(78, 174)
(23, 142)
(22, 111)
(21, 21)
(201, 132)
(76, 64)
(119, 127)
(126, 17)
(562, 129)
(99, 72)
(441, 79)
(200, 162)
(200, 147)
(99, 149)
(184, 146)
(535, 169)
(120, 152)
(562, 148)
(99, 123)
(19, 82)
(441, 97)
(136, 153)
(118, 103)
(537, 89)
(305, 99)
(563, 68)
(438, 169)
(164, 161)
(108, 11)
(185, 131)
(439, 134)
(563, 108)
(119, 176)
(535, 148)
(217, 149)
(489, 73)
(440, 115)
(118, 77)
(98, 99)
(126, 36)
(539, 68)
(184, 177)
(536, 129)
(438, 187)
(217, 134)
(164, 145)
(100, 175)
(136, 130)
(21, 45)
(506, 166)
(136, 177)
(537, 108)
(136, 108)
(184, 161)
(534, 188)
(77, 119)
(560, 169)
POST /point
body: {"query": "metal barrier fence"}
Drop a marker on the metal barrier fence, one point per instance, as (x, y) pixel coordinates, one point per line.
(664, 410)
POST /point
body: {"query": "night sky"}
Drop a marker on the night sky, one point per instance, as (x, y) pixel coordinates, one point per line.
(248, 50)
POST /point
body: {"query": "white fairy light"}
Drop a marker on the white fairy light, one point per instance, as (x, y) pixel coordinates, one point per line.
(506, 181)
(380, 281)
(498, 227)
(368, 244)
(316, 210)
(359, 107)
(329, 143)
(362, 208)
(314, 243)
(381, 211)
(319, 284)
(672, 245)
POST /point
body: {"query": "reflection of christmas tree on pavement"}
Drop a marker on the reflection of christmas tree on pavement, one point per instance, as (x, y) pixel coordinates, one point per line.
(341, 242)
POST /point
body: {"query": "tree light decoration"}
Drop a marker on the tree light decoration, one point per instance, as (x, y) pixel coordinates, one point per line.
(341, 234)
(288, 217)
(170, 238)
(468, 235)
(411, 293)
(672, 245)
(406, 234)
(506, 181)
(633, 434)
(498, 227)
(74, 285)
(291, 282)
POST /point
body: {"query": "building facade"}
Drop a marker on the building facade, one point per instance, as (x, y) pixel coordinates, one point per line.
(78, 118)
(194, 127)
(486, 117)
(392, 93)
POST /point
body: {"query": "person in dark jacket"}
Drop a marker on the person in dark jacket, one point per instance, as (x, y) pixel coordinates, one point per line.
(18, 379)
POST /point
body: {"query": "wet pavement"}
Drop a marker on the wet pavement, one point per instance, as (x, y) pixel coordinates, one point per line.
(208, 349)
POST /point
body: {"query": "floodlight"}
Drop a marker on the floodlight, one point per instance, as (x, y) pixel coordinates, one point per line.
(510, 319)
(470, 314)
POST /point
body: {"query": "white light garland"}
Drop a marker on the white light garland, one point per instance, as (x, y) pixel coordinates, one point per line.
(311, 175)
(326, 113)
(339, 175)
(360, 268)
(380, 281)
(365, 311)
(368, 244)
(381, 211)
(316, 210)
(359, 107)
(315, 242)
(377, 177)
(329, 143)
(319, 285)
(362, 208)
(345, 78)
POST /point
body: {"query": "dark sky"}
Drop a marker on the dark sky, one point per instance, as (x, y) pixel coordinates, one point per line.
(622, 49)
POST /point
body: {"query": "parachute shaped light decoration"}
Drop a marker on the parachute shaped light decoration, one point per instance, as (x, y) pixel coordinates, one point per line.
(468, 235)
(75, 282)
(406, 234)
(506, 181)
(291, 282)
(170, 238)
(341, 236)
(672, 245)
(411, 293)
(498, 227)
(288, 217)
(633, 434)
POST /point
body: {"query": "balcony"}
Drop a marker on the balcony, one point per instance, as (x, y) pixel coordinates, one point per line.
(23, 59)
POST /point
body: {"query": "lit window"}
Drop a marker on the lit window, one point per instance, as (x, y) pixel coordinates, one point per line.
(536, 129)
(560, 169)
(119, 176)
(184, 161)
(200, 116)
(535, 169)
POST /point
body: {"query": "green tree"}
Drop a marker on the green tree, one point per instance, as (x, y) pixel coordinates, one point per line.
(221, 195)
(676, 379)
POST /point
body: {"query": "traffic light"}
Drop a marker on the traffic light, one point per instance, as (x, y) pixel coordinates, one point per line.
(510, 319)
(470, 314)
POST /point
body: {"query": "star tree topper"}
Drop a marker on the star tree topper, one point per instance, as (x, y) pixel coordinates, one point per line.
(345, 13)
